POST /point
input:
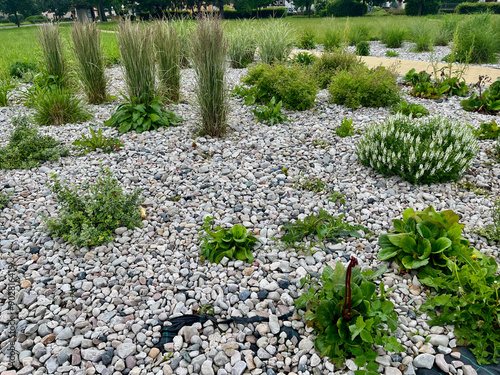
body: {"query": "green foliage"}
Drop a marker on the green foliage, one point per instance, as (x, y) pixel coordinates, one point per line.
(314, 184)
(54, 59)
(363, 48)
(37, 19)
(393, 37)
(329, 65)
(4, 199)
(390, 53)
(56, 106)
(357, 34)
(142, 115)
(487, 101)
(422, 7)
(306, 40)
(242, 44)
(169, 55)
(415, 110)
(90, 213)
(332, 40)
(208, 53)
(447, 83)
(424, 238)
(6, 85)
(422, 37)
(368, 321)
(275, 41)
(488, 130)
(90, 60)
(346, 128)
(292, 85)
(361, 86)
(270, 114)
(27, 149)
(492, 232)
(324, 227)
(346, 8)
(22, 69)
(425, 150)
(86, 144)
(475, 7)
(232, 243)
(304, 58)
(469, 301)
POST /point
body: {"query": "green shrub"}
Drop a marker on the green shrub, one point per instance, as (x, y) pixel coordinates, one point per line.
(304, 58)
(19, 69)
(329, 64)
(478, 40)
(412, 109)
(393, 37)
(86, 144)
(292, 85)
(231, 243)
(275, 41)
(346, 8)
(362, 318)
(54, 59)
(90, 60)
(6, 85)
(363, 48)
(270, 114)
(209, 48)
(488, 130)
(4, 199)
(57, 106)
(37, 19)
(422, 8)
(390, 53)
(424, 238)
(487, 101)
(306, 40)
(169, 55)
(242, 44)
(27, 149)
(361, 86)
(140, 115)
(90, 213)
(12, 18)
(471, 8)
(448, 83)
(346, 128)
(422, 36)
(358, 34)
(412, 149)
(136, 50)
(332, 40)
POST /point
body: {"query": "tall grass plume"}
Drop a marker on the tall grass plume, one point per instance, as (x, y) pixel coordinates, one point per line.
(169, 56)
(54, 59)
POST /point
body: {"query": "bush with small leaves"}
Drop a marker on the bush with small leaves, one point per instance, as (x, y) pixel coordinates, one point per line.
(363, 48)
(426, 150)
(306, 40)
(329, 64)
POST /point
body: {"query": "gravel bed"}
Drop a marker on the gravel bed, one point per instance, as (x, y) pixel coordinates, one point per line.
(100, 310)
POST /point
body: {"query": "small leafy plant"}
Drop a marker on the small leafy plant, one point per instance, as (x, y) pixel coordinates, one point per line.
(232, 243)
(324, 227)
(27, 148)
(488, 130)
(363, 48)
(6, 86)
(390, 53)
(141, 115)
(4, 199)
(487, 101)
(304, 58)
(270, 114)
(91, 213)
(348, 316)
(86, 144)
(23, 69)
(346, 128)
(306, 40)
(424, 238)
(415, 110)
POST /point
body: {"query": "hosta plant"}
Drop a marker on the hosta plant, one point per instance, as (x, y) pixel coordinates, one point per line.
(270, 114)
(142, 115)
(348, 316)
(426, 150)
(232, 243)
(424, 238)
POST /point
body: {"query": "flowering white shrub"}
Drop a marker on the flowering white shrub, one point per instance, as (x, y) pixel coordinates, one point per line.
(424, 150)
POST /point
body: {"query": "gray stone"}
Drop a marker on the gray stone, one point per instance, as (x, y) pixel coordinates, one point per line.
(51, 365)
(410, 370)
(239, 368)
(263, 354)
(437, 340)
(64, 355)
(221, 359)
(92, 354)
(31, 329)
(392, 371)
(469, 370)
(306, 344)
(126, 349)
(207, 368)
(441, 363)
(274, 324)
(384, 360)
(65, 334)
(444, 349)
(424, 361)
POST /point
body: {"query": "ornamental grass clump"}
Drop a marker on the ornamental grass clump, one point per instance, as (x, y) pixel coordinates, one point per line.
(208, 52)
(169, 56)
(242, 44)
(424, 150)
(90, 60)
(54, 59)
(275, 41)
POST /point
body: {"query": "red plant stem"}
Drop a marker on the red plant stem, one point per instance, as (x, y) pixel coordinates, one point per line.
(348, 293)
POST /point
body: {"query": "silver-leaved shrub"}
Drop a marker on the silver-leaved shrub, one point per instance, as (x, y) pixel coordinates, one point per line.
(424, 150)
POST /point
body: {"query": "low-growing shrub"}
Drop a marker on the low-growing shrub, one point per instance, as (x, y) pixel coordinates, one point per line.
(332, 40)
(270, 114)
(20, 69)
(348, 316)
(275, 41)
(6, 85)
(57, 106)
(86, 144)
(141, 115)
(242, 44)
(27, 148)
(218, 243)
(447, 83)
(393, 37)
(292, 85)
(424, 238)
(487, 101)
(423, 150)
(361, 86)
(90, 213)
(390, 53)
(412, 109)
(346, 8)
(363, 48)
(472, 8)
(37, 19)
(330, 64)
(306, 40)
(488, 130)
(346, 128)
(304, 58)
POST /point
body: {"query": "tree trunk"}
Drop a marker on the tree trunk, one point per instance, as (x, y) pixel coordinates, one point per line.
(17, 20)
(102, 13)
(220, 4)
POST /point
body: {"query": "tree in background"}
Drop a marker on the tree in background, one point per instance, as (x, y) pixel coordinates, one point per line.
(306, 4)
(58, 7)
(422, 7)
(17, 7)
(246, 6)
